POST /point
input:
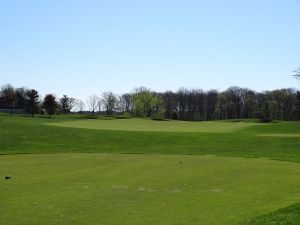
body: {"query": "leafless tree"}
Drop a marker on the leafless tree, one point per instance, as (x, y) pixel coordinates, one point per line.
(99, 104)
(125, 103)
(109, 101)
(297, 73)
(79, 106)
(92, 103)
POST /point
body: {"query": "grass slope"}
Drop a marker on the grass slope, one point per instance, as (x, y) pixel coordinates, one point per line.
(114, 189)
(286, 216)
(27, 135)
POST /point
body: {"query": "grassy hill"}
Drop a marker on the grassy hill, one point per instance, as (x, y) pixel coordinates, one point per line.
(248, 139)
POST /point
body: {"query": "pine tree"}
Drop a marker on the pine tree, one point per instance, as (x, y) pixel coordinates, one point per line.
(32, 101)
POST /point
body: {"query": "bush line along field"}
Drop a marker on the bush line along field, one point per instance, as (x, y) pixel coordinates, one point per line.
(143, 171)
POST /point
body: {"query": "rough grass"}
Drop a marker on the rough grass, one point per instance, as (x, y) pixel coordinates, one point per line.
(286, 216)
(115, 189)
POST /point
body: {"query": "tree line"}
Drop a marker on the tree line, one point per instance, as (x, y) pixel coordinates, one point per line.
(184, 104)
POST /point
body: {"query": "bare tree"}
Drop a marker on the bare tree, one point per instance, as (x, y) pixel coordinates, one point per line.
(297, 73)
(92, 103)
(125, 103)
(109, 101)
(72, 103)
(79, 106)
(99, 104)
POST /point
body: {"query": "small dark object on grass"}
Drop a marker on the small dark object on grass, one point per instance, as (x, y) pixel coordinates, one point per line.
(7, 177)
(180, 162)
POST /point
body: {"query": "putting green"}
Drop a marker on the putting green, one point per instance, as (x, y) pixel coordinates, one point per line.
(114, 189)
(153, 125)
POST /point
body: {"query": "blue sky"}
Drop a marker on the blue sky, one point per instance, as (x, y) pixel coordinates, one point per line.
(86, 47)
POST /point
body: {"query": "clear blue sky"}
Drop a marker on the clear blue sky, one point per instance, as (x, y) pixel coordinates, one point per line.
(84, 47)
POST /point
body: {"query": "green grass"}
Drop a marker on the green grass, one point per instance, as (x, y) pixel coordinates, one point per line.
(115, 189)
(34, 135)
(154, 125)
(286, 216)
(281, 135)
(136, 178)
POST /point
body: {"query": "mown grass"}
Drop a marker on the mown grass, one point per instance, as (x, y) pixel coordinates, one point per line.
(50, 188)
(154, 125)
(115, 189)
(33, 135)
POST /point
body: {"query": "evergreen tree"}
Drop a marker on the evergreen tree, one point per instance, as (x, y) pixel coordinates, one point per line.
(32, 101)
